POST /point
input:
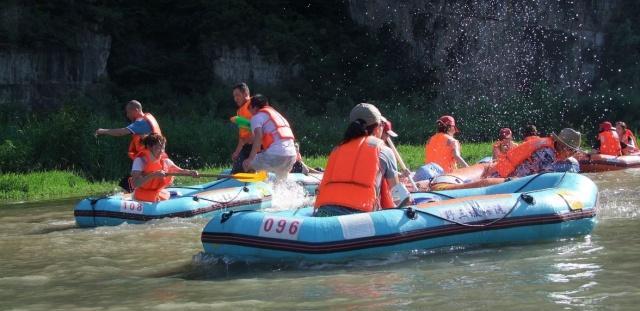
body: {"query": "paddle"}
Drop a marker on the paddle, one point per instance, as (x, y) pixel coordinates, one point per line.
(401, 162)
(244, 177)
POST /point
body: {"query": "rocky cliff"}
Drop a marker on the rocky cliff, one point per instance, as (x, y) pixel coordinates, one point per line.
(41, 74)
(492, 49)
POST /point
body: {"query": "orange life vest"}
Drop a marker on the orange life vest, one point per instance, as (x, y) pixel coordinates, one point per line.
(136, 146)
(243, 111)
(508, 162)
(628, 138)
(282, 127)
(153, 189)
(350, 176)
(609, 143)
(438, 150)
(528, 138)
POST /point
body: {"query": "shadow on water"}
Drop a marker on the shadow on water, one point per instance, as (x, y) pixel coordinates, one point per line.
(207, 267)
(53, 228)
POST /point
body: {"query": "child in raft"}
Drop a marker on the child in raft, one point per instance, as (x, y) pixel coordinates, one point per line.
(442, 148)
(505, 143)
(628, 141)
(607, 141)
(150, 168)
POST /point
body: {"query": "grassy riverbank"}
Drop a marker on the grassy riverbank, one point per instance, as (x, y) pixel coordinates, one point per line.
(65, 184)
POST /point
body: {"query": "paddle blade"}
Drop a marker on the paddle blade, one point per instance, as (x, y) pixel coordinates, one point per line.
(250, 177)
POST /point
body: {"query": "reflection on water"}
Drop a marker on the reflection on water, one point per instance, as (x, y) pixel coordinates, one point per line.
(47, 263)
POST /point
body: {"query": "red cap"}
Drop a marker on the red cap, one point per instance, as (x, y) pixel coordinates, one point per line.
(605, 126)
(505, 132)
(449, 120)
(387, 128)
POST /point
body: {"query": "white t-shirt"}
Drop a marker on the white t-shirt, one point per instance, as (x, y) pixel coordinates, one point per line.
(280, 147)
(139, 163)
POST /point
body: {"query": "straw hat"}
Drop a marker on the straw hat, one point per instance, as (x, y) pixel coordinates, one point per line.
(569, 137)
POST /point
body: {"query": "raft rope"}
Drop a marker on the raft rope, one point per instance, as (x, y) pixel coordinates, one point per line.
(242, 189)
(411, 213)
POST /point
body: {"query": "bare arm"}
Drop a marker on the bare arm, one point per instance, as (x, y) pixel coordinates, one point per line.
(456, 153)
(113, 132)
(140, 179)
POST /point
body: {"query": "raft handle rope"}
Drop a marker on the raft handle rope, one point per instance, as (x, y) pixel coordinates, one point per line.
(243, 189)
(411, 213)
(226, 215)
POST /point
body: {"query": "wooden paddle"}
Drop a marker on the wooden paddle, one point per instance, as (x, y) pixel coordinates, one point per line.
(401, 162)
(244, 177)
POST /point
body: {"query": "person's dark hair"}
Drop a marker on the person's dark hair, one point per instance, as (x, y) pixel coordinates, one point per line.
(358, 128)
(530, 130)
(441, 127)
(242, 87)
(153, 139)
(259, 101)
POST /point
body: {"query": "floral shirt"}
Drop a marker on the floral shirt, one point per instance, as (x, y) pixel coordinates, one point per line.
(540, 161)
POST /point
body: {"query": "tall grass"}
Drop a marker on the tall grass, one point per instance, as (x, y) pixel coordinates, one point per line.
(48, 185)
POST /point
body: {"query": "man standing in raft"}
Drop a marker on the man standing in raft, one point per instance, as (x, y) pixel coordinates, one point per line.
(242, 119)
(150, 168)
(442, 148)
(352, 182)
(272, 134)
(143, 124)
(540, 155)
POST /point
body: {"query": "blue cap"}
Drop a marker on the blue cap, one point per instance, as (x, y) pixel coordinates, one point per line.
(428, 172)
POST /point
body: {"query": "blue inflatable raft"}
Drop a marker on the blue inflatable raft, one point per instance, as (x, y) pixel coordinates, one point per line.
(201, 200)
(538, 207)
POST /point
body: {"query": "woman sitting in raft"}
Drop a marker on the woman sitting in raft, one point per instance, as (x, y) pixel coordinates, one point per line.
(431, 177)
(505, 143)
(548, 154)
(150, 168)
(628, 141)
(442, 148)
(352, 182)
(607, 141)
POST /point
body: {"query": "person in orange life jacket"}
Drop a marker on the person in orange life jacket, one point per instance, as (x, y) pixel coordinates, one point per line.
(299, 166)
(607, 141)
(149, 169)
(628, 141)
(272, 133)
(530, 132)
(142, 124)
(388, 133)
(352, 181)
(505, 143)
(242, 97)
(549, 154)
(442, 148)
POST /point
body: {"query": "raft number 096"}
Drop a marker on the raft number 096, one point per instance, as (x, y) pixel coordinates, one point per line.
(278, 227)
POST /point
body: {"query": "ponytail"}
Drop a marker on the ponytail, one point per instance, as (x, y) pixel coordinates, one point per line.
(356, 129)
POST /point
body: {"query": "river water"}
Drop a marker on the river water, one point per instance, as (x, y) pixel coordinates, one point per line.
(46, 263)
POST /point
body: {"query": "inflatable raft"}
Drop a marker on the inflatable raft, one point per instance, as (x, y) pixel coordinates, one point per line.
(201, 200)
(603, 162)
(538, 207)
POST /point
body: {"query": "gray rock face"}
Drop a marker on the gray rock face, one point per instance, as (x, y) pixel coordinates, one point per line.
(493, 49)
(41, 77)
(246, 64)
